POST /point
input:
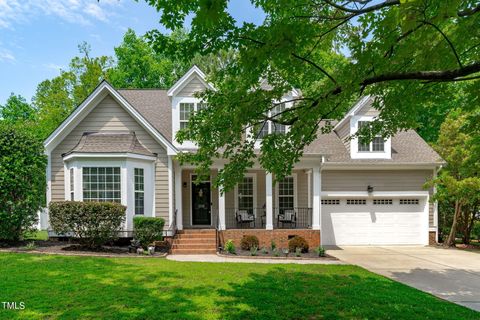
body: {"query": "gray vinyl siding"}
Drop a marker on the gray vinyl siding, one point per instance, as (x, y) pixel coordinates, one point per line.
(108, 115)
(368, 110)
(193, 85)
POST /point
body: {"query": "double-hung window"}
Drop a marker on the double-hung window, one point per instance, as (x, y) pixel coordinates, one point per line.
(72, 185)
(286, 193)
(245, 194)
(186, 110)
(139, 191)
(267, 127)
(376, 145)
(101, 184)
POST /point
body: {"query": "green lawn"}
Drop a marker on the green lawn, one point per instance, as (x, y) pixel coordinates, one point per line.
(126, 288)
(37, 235)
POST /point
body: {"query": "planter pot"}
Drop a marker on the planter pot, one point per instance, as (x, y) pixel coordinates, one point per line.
(151, 250)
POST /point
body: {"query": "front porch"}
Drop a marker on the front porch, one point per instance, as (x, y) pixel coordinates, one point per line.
(255, 203)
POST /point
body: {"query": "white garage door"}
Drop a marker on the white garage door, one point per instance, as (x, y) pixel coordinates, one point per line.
(374, 221)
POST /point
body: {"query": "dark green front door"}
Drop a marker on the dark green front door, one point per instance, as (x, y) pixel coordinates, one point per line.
(201, 203)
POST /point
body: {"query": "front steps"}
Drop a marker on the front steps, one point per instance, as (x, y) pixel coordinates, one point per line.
(194, 241)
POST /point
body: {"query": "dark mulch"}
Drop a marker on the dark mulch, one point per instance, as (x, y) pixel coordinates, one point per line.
(309, 255)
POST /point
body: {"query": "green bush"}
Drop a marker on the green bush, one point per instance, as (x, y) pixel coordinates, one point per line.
(320, 251)
(249, 242)
(253, 251)
(93, 223)
(22, 181)
(298, 242)
(148, 229)
(230, 247)
(476, 230)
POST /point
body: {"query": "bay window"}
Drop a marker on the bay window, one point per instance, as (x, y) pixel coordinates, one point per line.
(101, 184)
(139, 191)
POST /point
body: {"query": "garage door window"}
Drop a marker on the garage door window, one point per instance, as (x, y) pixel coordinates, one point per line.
(331, 202)
(383, 201)
(409, 201)
(357, 202)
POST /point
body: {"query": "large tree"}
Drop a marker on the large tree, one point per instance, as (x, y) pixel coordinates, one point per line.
(17, 110)
(407, 54)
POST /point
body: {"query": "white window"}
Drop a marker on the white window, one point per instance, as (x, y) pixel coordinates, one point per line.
(245, 194)
(186, 110)
(72, 184)
(356, 202)
(409, 201)
(286, 193)
(331, 202)
(266, 127)
(101, 184)
(376, 145)
(139, 191)
(383, 201)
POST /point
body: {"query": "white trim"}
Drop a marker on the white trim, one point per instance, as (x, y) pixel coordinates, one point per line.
(191, 200)
(374, 194)
(317, 199)
(268, 201)
(178, 86)
(255, 204)
(357, 106)
(355, 154)
(178, 195)
(89, 104)
(171, 209)
(109, 155)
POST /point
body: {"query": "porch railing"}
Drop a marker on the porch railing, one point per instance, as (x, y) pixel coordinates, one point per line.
(256, 218)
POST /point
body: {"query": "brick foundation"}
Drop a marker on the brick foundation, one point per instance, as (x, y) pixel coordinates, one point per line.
(432, 238)
(280, 236)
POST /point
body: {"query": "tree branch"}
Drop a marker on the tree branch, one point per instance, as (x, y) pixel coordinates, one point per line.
(316, 66)
(381, 5)
(469, 11)
(446, 39)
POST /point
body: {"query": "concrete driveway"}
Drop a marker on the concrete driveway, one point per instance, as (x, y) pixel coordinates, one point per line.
(450, 274)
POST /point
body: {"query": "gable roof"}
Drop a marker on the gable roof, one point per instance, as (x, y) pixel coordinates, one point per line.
(102, 90)
(365, 100)
(193, 71)
(109, 142)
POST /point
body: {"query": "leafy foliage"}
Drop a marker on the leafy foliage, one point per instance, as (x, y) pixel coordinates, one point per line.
(148, 229)
(230, 247)
(93, 223)
(22, 180)
(298, 242)
(248, 242)
(408, 54)
(16, 110)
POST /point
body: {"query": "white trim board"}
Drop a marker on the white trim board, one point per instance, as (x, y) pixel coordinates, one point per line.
(180, 84)
(103, 89)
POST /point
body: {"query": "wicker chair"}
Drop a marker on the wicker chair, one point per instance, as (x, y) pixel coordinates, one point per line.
(289, 216)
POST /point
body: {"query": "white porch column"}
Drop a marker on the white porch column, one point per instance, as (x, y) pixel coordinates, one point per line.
(317, 202)
(171, 189)
(269, 202)
(221, 207)
(309, 187)
(178, 196)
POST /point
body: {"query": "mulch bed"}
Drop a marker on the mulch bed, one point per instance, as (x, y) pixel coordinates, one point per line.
(311, 255)
(72, 248)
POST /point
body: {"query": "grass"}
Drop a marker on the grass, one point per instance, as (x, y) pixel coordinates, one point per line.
(57, 287)
(36, 235)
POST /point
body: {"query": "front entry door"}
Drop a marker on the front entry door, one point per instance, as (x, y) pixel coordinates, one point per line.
(201, 203)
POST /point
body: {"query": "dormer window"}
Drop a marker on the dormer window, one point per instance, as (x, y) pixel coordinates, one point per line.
(376, 145)
(187, 109)
(268, 127)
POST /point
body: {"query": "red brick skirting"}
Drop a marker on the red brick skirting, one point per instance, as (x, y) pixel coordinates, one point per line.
(432, 238)
(280, 236)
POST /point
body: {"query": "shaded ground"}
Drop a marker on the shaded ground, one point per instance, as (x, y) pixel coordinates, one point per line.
(450, 274)
(56, 287)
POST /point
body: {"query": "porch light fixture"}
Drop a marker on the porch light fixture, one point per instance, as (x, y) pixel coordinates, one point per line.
(184, 184)
(369, 189)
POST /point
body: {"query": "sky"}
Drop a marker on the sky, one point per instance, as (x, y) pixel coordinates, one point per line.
(40, 37)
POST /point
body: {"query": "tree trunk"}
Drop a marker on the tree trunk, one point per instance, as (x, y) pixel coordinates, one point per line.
(453, 231)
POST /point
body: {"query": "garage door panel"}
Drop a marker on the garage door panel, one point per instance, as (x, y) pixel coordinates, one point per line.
(373, 224)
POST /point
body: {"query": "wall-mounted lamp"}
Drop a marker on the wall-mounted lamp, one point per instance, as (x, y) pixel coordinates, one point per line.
(369, 189)
(184, 184)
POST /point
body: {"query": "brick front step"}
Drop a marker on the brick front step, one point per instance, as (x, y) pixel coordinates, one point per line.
(194, 241)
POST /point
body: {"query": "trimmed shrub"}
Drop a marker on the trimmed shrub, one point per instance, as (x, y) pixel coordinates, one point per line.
(148, 229)
(93, 223)
(298, 242)
(320, 251)
(249, 242)
(22, 180)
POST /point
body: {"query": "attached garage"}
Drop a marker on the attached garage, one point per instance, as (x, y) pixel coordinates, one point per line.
(388, 219)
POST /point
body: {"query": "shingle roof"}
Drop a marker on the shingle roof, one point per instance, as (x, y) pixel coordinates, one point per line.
(109, 142)
(154, 105)
(407, 146)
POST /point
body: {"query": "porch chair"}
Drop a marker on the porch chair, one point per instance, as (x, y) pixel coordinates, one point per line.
(288, 216)
(244, 217)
